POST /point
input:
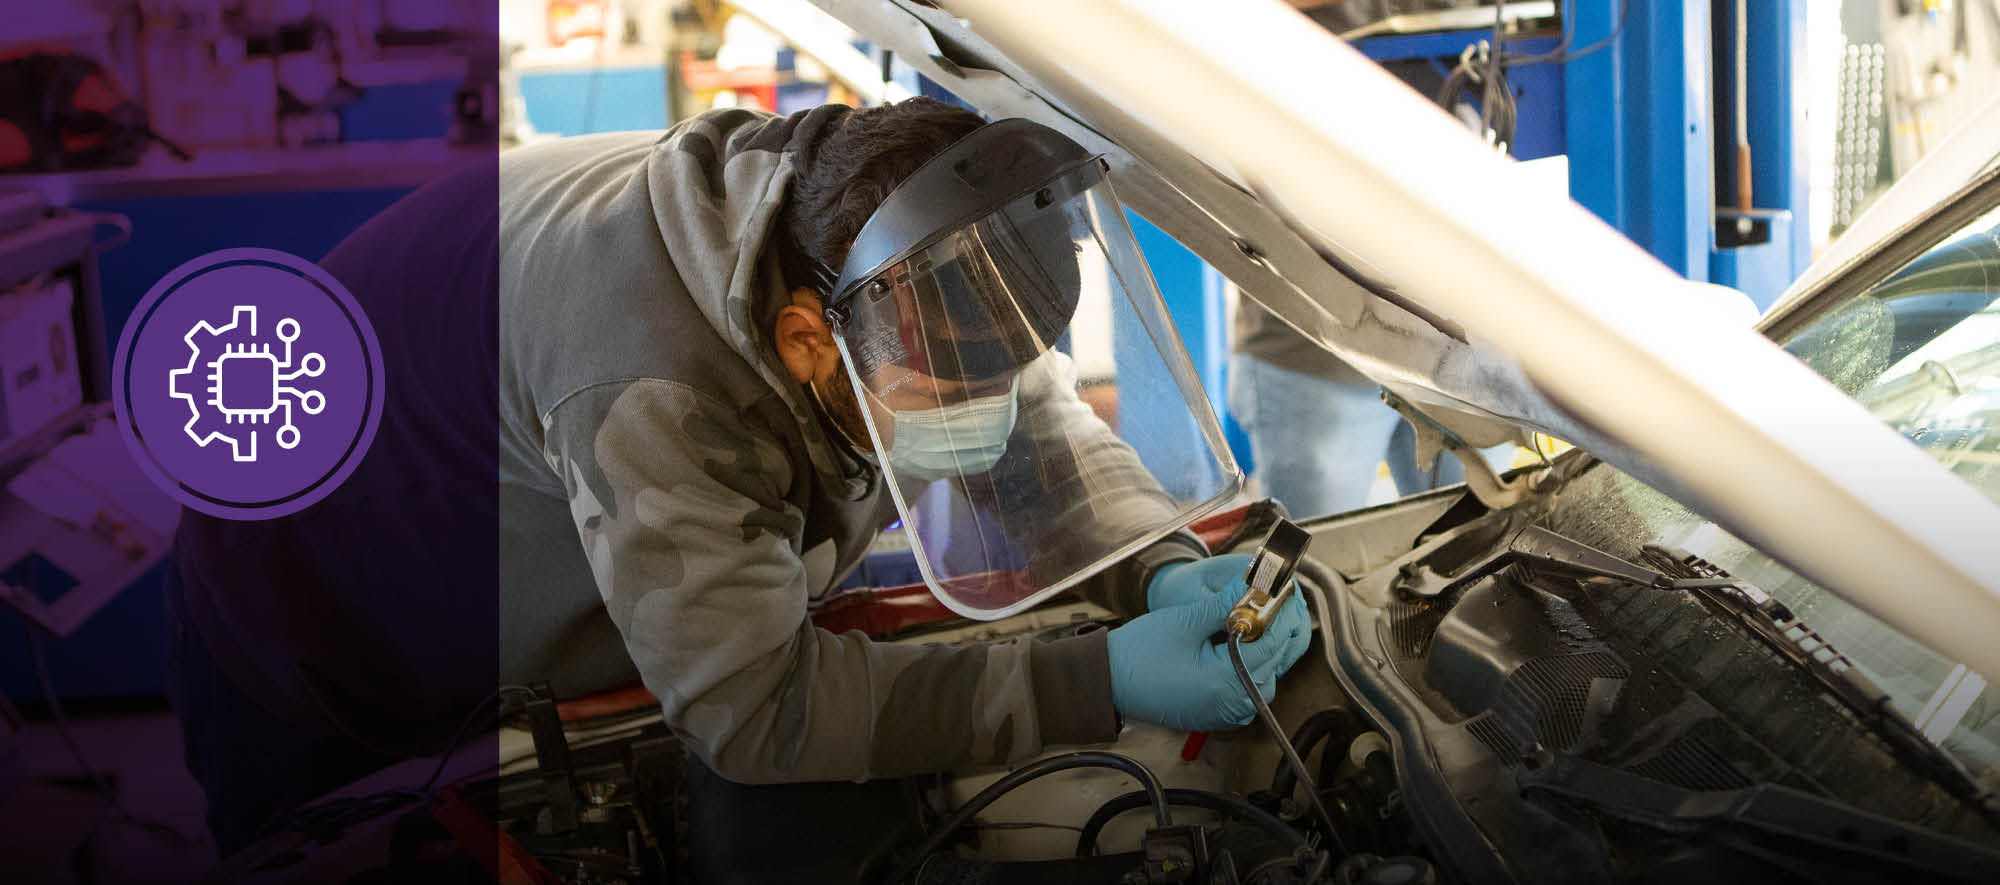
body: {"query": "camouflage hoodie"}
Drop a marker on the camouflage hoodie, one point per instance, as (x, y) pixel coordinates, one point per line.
(644, 414)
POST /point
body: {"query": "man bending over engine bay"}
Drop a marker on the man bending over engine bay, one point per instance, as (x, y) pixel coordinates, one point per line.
(728, 356)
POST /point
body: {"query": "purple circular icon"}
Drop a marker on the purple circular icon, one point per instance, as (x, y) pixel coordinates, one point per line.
(248, 383)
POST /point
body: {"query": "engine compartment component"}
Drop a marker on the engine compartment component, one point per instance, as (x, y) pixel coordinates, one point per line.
(1560, 714)
(1517, 707)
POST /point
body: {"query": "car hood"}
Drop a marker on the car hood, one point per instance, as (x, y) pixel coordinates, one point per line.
(1377, 225)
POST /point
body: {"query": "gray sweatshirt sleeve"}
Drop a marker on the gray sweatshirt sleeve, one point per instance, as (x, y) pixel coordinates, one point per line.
(681, 511)
(1122, 588)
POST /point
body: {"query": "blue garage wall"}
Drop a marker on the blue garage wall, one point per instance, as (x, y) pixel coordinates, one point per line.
(576, 102)
(121, 652)
(304, 223)
(1193, 294)
(400, 111)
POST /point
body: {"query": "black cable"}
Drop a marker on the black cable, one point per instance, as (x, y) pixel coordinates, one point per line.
(1323, 579)
(335, 815)
(180, 153)
(1080, 759)
(1304, 739)
(1624, 7)
(1324, 724)
(1489, 102)
(1277, 730)
(1561, 53)
(1025, 825)
(458, 737)
(328, 820)
(1497, 110)
(1086, 842)
(1568, 35)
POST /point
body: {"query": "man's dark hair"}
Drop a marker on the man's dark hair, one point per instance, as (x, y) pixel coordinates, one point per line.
(855, 166)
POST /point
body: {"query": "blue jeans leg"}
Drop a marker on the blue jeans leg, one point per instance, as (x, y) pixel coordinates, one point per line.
(1316, 442)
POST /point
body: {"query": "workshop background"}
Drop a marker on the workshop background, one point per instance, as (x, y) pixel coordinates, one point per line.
(284, 124)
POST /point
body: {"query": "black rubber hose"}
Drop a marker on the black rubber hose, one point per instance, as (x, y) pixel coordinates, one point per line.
(1334, 724)
(1149, 786)
(1349, 724)
(1329, 763)
(1086, 842)
(1277, 730)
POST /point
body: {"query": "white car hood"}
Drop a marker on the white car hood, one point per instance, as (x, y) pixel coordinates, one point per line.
(1275, 152)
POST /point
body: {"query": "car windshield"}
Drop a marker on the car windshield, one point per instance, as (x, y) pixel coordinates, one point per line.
(1921, 350)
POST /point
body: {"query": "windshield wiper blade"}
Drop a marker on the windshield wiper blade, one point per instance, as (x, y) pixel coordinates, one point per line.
(1767, 617)
(1765, 808)
(1784, 632)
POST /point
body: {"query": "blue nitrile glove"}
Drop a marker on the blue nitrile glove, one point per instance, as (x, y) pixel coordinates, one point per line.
(1186, 582)
(1165, 670)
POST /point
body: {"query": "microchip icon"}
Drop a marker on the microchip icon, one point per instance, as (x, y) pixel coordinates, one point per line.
(249, 383)
(246, 384)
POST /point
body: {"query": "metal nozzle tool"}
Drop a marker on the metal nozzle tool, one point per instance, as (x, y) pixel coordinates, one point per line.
(1270, 580)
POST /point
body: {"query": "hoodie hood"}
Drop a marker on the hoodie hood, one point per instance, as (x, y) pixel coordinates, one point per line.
(717, 183)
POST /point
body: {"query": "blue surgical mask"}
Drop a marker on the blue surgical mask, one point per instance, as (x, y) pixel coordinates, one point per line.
(962, 439)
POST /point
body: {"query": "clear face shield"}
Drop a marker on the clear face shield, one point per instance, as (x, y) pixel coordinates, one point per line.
(1035, 413)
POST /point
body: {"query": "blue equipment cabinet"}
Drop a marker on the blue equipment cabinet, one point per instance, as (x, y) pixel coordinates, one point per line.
(1645, 110)
(1645, 114)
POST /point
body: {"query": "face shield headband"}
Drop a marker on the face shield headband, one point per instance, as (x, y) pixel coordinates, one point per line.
(980, 302)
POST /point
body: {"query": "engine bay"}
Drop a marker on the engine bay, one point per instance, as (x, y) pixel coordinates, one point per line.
(1485, 700)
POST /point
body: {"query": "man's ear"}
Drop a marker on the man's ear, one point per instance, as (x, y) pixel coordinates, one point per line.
(805, 342)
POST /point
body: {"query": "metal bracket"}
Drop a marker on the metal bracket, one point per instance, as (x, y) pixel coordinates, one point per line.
(1411, 575)
(1542, 547)
(1378, 588)
(552, 758)
(1486, 485)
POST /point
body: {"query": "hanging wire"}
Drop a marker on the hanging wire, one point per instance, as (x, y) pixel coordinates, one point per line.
(1495, 92)
(1483, 65)
(332, 816)
(1284, 742)
(465, 729)
(1561, 52)
(1497, 111)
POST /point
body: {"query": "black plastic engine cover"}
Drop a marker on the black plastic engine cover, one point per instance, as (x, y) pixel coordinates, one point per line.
(1499, 700)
